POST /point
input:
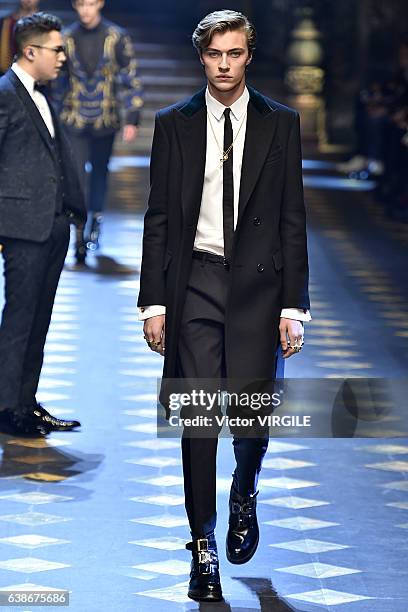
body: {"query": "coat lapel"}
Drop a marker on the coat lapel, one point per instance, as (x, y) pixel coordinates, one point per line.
(32, 110)
(191, 125)
(260, 132)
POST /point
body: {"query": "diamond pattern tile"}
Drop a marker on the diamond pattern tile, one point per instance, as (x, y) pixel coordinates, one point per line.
(318, 570)
(47, 396)
(154, 444)
(403, 505)
(146, 428)
(397, 485)
(28, 586)
(53, 371)
(53, 383)
(173, 594)
(162, 481)
(309, 546)
(32, 541)
(282, 463)
(156, 462)
(143, 372)
(147, 413)
(286, 483)
(294, 502)
(386, 449)
(35, 498)
(165, 543)
(52, 359)
(173, 567)
(141, 397)
(390, 466)
(29, 565)
(168, 521)
(33, 519)
(276, 446)
(300, 523)
(328, 597)
(56, 347)
(160, 500)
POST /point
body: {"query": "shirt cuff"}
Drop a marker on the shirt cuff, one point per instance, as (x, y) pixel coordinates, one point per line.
(146, 312)
(297, 314)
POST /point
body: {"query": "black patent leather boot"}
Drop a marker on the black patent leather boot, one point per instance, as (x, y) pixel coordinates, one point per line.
(243, 532)
(204, 576)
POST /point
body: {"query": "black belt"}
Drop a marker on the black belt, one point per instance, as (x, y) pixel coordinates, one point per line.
(210, 257)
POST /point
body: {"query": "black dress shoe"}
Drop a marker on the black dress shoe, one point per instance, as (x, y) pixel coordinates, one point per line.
(50, 422)
(243, 532)
(204, 576)
(21, 424)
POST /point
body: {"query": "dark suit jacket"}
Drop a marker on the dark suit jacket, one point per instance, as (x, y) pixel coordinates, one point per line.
(269, 270)
(29, 168)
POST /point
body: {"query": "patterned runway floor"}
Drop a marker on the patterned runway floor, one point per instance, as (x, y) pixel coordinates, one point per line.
(100, 512)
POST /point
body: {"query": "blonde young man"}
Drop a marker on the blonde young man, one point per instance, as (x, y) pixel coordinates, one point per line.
(224, 274)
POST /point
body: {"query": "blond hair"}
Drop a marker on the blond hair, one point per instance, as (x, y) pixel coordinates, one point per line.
(219, 22)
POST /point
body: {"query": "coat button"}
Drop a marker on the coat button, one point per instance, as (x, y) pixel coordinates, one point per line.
(257, 221)
(260, 267)
(53, 179)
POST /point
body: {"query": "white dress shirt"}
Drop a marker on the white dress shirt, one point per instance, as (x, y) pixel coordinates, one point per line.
(210, 234)
(38, 98)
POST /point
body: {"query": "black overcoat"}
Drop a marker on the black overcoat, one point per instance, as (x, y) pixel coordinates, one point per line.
(269, 270)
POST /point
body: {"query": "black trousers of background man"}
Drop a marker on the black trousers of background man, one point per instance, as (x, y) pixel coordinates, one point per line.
(96, 151)
(201, 355)
(31, 272)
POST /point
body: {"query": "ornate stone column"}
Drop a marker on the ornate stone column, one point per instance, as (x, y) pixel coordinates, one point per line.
(304, 77)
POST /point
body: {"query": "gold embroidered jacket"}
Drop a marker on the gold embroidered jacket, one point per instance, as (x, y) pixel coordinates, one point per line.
(96, 101)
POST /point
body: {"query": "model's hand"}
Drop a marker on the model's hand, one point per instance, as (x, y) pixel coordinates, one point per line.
(129, 133)
(154, 332)
(289, 328)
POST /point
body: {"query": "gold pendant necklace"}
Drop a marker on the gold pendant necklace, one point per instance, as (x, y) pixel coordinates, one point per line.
(225, 154)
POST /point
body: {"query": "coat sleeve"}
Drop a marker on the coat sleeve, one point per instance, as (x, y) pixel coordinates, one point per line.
(129, 84)
(152, 276)
(293, 226)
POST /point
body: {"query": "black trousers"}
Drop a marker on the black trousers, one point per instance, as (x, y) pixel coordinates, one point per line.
(31, 272)
(96, 151)
(201, 355)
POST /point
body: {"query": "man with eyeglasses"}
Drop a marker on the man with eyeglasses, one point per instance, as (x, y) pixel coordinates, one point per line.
(7, 25)
(100, 81)
(40, 195)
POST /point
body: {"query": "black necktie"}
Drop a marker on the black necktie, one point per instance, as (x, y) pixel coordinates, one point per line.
(228, 190)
